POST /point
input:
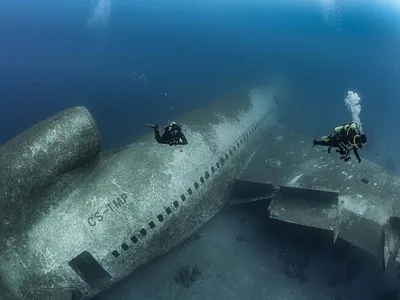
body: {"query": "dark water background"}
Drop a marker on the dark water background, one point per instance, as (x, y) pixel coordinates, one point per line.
(140, 58)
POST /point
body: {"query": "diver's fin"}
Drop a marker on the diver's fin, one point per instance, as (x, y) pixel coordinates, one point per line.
(248, 191)
(314, 143)
(151, 125)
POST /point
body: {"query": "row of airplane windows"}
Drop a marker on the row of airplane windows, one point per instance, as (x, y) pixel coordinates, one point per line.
(143, 232)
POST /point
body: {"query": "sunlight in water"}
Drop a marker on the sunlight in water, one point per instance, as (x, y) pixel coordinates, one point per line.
(332, 15)
(100, 15)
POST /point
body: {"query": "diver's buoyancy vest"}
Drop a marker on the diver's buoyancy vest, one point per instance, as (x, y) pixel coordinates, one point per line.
(344, 129)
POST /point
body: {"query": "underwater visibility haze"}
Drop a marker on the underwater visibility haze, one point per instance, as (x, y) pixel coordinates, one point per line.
(92, 206)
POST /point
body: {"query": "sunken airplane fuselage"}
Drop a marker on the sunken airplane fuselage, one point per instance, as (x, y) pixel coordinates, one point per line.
(74, 220)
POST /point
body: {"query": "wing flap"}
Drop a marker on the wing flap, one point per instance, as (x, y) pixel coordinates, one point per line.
(361, 232)
(392, 241)
(313, 208)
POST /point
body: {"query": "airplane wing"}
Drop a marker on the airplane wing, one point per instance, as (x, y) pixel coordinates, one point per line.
(307, 186)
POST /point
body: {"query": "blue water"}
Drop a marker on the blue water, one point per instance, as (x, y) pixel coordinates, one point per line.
(149, 61)
(146, 61)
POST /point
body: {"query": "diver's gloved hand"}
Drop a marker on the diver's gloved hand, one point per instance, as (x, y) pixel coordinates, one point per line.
(174, 141)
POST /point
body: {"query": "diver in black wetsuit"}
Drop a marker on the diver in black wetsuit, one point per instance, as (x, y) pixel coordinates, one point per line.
(346, 138)
(171, 135)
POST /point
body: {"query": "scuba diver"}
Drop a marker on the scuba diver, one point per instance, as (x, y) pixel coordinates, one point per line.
(171, 135)
(346, 138)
